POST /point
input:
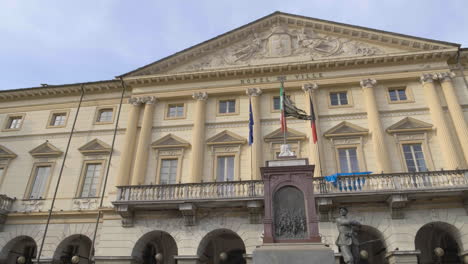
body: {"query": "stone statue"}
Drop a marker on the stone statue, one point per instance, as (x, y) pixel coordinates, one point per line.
(347, 238)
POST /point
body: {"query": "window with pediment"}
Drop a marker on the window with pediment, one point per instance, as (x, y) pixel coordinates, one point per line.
(225, 148)
(275, 140)
(95, 154)
(169, 151)
(347, 142)
(411, 138)
(6, 156)
(45, 156)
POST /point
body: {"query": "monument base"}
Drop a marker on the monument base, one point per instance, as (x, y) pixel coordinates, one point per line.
(293, 253)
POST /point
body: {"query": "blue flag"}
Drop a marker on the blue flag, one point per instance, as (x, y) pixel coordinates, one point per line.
(251, 123)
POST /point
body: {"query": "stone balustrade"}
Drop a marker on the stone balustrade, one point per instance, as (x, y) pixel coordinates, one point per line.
(5, 206)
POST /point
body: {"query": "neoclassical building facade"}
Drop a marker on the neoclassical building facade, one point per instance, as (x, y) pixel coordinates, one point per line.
(155, 166)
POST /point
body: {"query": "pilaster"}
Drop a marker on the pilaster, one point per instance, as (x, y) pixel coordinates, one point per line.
(141, 158)
(315, 148)
(198, 136)
(444, 136)
(257, 157)
(123, 176)
(456, 112)
(375, 126)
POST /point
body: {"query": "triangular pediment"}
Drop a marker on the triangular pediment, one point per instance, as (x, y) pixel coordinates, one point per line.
(409, 124)
(5, 153)
(283, 38)
(95, 147)
(226, 138)
(346, 129)
(291, 134)
(170, 141)
(46, 150)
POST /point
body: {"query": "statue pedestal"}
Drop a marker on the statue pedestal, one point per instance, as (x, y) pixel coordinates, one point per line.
(293, 253)
(291, 234)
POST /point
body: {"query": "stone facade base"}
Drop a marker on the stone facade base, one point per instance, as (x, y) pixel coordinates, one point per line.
(186, 259)
(293, 253)
(403, 257)
(113, 260)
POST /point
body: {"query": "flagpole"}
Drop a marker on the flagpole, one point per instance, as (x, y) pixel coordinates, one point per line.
(316, 123)
(282, 79)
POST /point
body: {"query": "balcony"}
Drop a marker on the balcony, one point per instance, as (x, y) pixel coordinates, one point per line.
(394, 189)
(5, 206)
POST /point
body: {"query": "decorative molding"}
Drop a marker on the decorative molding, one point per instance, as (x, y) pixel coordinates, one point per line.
(255, 211)
(32, 205)
(368, 83)
(173, 128)
(343, 117)
(309, 87)
(170, 141)
(253, 91)
(409, 124)
(201, 96)
(226, 138)
(346, 129)
(45, 150)
(85, 204)
(136, 101)
(227, 124)
(95, 147)
(126, 213)
(5, 153)
(445, 76)
(291, 134)
(189, 213)
(428, 78)
(396, 203)
(404, 113)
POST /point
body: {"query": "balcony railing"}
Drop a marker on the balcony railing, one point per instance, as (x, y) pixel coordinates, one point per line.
(248, 190)
(417, 181)
(236, 190)
(5, 203)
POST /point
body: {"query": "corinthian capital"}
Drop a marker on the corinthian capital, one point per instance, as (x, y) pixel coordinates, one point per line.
(309, 87)
(148, 99)
(253, 91)
(428, 78)
(200, 96)
(136, 101)
(368, 83)
(445, 76)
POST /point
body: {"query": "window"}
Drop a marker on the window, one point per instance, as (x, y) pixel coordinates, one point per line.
(91, 180)
(175, 111)
(338, 98)
(397, 94)
(168, 171)
(58, 119)
(277, 102)
(41, 176)
(414, 157)
(14, 122)
(104, 116)
(225, 168)
(348, 160)
(227, 106)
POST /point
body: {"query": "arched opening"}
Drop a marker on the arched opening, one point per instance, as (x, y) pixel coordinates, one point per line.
(371, 240)
(438, 235)
(22, 246)
(221, 246)
(75, 246)
(156, 247)
(289, 214)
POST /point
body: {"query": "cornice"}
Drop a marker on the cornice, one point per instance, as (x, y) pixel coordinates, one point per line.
(283, 68)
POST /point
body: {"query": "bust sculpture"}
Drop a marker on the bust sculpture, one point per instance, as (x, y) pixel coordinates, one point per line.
(347, 239)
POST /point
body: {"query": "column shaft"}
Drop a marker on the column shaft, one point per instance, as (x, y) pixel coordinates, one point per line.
(375, 126)
(123, 176)
(198, 137)
(446, 142)
(257, 151)
(314, 148)
(141, 158)
(456, 111)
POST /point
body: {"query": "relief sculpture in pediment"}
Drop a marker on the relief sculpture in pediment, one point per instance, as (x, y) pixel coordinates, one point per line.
(282, 43)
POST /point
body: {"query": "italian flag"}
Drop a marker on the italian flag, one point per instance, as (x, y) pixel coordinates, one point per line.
(284, 128)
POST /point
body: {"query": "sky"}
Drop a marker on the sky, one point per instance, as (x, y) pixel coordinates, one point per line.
(59, 42)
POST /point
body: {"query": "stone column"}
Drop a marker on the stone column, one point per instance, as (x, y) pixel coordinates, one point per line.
(198, 136)
(446, 142)
(375, 127)
(455, 110)
(141, 158)
(314, 148)
(123, 176)
(257, 151)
